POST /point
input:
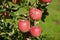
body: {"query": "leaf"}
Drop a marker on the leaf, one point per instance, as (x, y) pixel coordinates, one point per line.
(2, 10)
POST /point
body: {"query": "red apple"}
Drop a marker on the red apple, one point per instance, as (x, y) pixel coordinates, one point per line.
(24, 25)
(35, 13)
(35, 31)
(45, 1)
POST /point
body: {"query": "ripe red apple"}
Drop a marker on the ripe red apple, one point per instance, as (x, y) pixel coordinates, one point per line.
(35, 13)
(15, 1)
(45, 1)
(35, 31)
(24, 25)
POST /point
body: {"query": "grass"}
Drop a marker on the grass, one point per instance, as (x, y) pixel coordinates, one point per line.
(51, 26)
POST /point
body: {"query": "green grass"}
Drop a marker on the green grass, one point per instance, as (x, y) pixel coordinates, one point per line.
(51, 26)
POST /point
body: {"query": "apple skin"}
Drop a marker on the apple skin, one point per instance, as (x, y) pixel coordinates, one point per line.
(15, 1)
(35, 14)
(24, 25)
(45, 1)
(35, 31)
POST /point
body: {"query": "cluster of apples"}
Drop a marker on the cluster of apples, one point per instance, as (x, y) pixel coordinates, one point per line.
(24, 25)
(34, 14)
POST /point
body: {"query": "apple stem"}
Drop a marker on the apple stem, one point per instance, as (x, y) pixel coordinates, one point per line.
(35, 17)
(38, 38)
(35, 12)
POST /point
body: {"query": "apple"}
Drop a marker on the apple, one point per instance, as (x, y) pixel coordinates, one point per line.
(35, 14)
(35, 31)
(45, 1)
(24, 25)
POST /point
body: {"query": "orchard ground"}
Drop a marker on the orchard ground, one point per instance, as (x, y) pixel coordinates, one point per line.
(51, 26)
